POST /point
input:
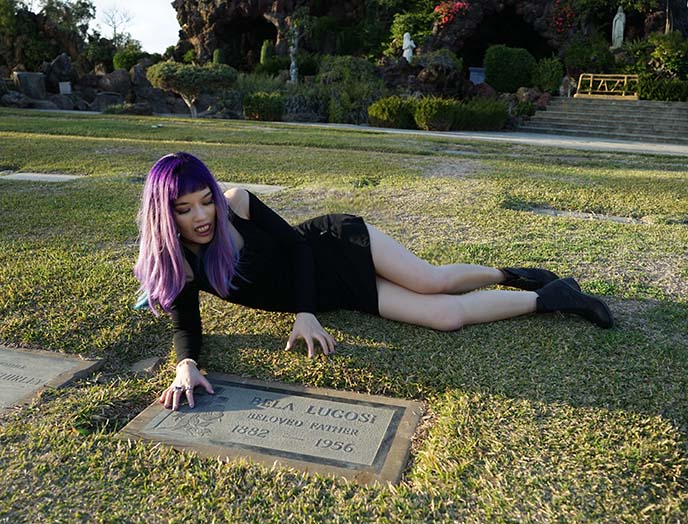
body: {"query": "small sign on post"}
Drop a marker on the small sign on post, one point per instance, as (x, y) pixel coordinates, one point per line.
(477, 75)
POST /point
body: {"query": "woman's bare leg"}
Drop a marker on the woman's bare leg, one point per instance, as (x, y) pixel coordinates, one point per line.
(449, 312)
(395, 263)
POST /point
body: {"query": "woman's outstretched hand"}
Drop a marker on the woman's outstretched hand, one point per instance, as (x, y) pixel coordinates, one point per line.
(307, 327)
(188, 377)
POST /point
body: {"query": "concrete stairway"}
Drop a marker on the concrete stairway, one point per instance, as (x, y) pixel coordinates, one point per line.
(636, 120)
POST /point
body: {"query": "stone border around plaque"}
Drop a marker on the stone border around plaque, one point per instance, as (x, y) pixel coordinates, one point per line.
(23, 377)
(365, 438)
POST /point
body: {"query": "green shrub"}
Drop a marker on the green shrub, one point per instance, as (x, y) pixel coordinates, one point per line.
(169, 52)
(3, 87)
(351, 85)
(435, 113)
(189, 57)
(247, 83)
(263, 106)
(667, 89)
(219, 56)
(547, 75)
(305, 103)
(669, 56)
(253, 83)
(393, 111)
(309, 64)
(128, 109)
(335, 69)
(588, 55)
(524, 108)
(126, 59)
(480, 115)
(273, 66)
(267, 51)
(508, 68)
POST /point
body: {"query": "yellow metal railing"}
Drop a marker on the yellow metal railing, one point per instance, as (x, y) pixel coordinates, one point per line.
(607, 86)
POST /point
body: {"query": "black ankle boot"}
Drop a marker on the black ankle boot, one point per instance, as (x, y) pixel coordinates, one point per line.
(561, 295)
(528, 278)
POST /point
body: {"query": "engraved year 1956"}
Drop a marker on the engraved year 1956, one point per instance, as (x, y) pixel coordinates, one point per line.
(335, 445)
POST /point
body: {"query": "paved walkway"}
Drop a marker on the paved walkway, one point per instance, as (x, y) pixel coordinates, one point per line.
(542, 140)
(512, 137)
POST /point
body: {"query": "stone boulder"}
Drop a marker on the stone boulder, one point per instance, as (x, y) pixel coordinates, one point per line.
(3, 87)
(116, 82)
(63, 101)
(30, 84)
(485, 90)
(89, 80)
(542, 101)
(81, 105)
(43, 104)
(106, 99)
(177, 105)
(59, 70)
(528, 94)
(88, 93)
(144, 92)
(15, 99)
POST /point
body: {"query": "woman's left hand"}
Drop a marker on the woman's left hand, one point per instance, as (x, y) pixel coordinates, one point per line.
(307, 327)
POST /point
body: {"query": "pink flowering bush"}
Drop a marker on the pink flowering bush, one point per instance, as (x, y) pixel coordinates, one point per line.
(448, 10)
(563, 16)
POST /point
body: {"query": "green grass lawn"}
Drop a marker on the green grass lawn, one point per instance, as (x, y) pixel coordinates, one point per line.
(536, 419)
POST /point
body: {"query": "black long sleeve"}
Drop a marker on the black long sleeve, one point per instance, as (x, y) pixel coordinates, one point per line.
(186, 322)
(300, 251)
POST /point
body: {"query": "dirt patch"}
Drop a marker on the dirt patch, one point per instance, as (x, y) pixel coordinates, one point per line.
(453, 169)
(585, 216)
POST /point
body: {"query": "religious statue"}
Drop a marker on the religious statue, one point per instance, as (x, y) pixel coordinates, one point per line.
(408, 46)
(618, 28)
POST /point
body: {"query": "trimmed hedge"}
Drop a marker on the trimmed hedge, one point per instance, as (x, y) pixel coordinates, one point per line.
(444, 114)
(480, 115)
(436, 114)
(393, 111)
(508, 68)
(263, 106)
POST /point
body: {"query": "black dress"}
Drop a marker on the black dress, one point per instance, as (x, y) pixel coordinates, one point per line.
(320, 265)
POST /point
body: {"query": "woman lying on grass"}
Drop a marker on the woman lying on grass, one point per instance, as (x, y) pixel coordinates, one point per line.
(192, 237)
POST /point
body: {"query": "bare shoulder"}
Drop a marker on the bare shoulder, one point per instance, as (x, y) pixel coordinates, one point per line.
(237, 199)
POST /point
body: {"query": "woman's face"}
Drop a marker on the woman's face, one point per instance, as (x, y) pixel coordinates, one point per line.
(194, 214)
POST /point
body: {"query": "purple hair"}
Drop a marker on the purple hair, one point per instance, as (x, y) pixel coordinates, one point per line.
(160, 267)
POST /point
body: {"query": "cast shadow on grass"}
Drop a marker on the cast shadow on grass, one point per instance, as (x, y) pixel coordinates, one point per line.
(640, 366)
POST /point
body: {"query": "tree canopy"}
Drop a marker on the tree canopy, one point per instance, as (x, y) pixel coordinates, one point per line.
(189, 80)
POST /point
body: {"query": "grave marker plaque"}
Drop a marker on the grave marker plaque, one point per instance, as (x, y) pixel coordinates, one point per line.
(25, 372)
(362, 437)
